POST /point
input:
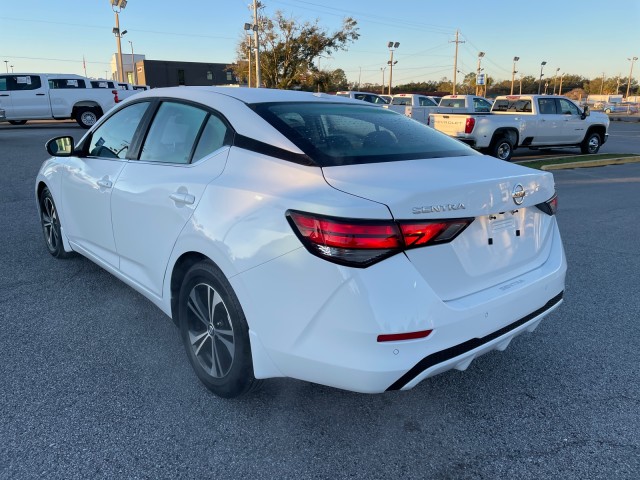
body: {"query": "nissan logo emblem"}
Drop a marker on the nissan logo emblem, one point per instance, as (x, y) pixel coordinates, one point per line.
(518, 194)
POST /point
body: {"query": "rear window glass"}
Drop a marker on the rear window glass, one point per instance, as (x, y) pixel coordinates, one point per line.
(506, 105)
(343, 134)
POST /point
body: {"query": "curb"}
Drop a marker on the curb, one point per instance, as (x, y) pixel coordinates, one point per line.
(591, 163)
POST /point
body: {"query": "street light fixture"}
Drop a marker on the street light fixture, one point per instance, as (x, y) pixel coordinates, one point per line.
(513, 72)
(6, 64)
(248, 27)
(633, 59)
(541, 75)
(480, 55)
(391, 46)
(555, 77)
(117, 6)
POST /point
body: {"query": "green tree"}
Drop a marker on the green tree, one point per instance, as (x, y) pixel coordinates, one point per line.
(289, 48)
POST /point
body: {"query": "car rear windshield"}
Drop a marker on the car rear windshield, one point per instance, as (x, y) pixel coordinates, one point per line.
(334, 134)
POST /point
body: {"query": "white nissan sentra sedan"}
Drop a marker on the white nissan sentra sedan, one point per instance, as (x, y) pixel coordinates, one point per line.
(305, 235)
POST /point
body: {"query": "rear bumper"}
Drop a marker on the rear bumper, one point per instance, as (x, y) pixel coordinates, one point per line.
(324, 328)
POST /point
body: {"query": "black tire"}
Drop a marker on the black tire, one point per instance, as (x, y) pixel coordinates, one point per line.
(215, 337)
(607, 110)
(50, 222)
(591, 143)
(17, 122)
(87, 117)
(501, 148)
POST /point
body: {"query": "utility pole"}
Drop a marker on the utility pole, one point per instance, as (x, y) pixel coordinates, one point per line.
(632, 59)
(391, 46)
(478, 89)
(382, 70)
(602, 84)
(455, 63)
(257, 42)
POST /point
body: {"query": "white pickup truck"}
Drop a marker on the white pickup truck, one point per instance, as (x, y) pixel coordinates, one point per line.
(37, 96)
(413, 105)
(531, 121)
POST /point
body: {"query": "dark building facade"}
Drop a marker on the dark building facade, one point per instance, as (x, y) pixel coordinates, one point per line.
(160, 73)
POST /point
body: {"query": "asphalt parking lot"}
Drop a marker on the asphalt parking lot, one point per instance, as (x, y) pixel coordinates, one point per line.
(94, 381)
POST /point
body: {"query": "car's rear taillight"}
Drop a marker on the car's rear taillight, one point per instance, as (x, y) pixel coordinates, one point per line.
(550, 207)
(360, 243)
(469, 124)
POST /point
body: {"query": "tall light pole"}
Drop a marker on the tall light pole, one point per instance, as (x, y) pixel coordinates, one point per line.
(391, 46)
(541, 75)
(555, 77)
(257, 43)
(513, 74)
(6, 64)
(248, 27)
(134, 76)
(561, 77)
(382, 69)
(632, 59)
(480, 55)
(117, 6)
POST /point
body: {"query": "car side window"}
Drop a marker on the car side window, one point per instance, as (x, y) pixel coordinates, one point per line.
(568, 108)
(481, 105)
(173, 133)
(24, 82)
(215, 135)
(547, 106)
(113, 138)
(3, 84)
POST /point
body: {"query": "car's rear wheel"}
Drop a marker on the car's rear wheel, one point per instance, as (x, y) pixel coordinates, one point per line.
(86, 117)
(215, 332)
(51, 229)
(591, 143)
(501, 148)
(17, 122)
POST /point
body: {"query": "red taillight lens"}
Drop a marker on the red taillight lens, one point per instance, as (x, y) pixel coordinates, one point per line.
(550, 207)
(469, 124)
(361, 243)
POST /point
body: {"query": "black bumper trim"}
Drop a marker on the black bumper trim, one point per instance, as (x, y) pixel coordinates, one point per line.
(452, 352)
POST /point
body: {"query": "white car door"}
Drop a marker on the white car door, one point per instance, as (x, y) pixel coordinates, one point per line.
(28, 97)
(87, 184)
(573, 126)
(156, 195)
(550, 123)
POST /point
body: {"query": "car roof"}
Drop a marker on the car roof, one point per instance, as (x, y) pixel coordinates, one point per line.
(242, 94)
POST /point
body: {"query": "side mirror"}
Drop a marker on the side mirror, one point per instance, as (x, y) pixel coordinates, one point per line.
(585, 112)
(60, 146)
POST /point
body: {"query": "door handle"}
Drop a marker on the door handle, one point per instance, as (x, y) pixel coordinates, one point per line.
(4, 94)
(105, 183)
(40, 94)
(183, 198)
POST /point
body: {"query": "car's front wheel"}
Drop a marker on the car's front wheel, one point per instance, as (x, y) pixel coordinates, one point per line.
(50, 221)
(215, 332)
(591, 143)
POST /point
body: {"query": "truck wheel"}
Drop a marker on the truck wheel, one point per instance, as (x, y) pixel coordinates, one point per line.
(17, 122)
(501, 148)
(86, 117)
(591, 143)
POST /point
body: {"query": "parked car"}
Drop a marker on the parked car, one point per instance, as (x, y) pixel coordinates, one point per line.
(306, 235)
(364, 96)
(623, 107)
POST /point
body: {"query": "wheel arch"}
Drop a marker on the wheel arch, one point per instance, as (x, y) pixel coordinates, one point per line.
(87, 104)
(509, 132)
(180, 268)
(599, 129)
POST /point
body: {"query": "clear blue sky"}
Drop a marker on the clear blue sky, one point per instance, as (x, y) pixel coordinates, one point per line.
(583, 37)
